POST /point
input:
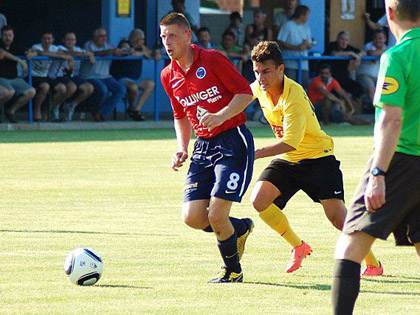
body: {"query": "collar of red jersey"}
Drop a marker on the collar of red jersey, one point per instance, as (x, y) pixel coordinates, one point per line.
(196, 54)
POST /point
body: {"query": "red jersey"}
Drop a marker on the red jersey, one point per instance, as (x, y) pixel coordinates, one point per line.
(207, 86)
(314, 95)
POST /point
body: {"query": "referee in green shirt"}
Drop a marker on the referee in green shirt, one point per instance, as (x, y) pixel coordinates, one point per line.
(387, 199)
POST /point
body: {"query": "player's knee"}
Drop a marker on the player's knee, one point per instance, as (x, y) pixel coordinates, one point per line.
(193, 221)
(258, 203)
(337, 220)
(216, 220)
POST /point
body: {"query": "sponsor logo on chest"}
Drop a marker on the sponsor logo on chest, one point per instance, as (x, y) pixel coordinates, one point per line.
(209, 95)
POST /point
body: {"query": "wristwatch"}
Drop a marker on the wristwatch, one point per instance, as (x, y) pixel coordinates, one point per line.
(377, 172)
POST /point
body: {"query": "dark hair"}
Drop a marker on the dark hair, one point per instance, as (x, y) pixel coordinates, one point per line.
(267, 50)
(407, 10)
(175, 18)
(235, 15)
(203, 29)
(228, 33)
(323, 66)
(380, 31)
(47, 31)
(299, 11)
(123, 41)
(7, 28)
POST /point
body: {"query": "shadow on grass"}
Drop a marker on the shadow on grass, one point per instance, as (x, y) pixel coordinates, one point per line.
(382, 279)
(81, 232)
(122, 286)
(42, 136)
(325, 287)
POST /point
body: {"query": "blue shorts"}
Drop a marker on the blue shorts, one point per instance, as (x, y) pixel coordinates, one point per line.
(221, 166)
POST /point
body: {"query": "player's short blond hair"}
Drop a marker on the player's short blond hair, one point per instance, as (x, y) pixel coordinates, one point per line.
(175, 18)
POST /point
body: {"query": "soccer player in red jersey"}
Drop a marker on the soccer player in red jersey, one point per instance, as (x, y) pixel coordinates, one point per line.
(208, 95)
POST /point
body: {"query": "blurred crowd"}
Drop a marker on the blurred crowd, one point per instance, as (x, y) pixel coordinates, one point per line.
(338, 89)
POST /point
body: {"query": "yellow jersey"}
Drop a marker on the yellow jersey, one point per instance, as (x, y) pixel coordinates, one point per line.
(294, 122)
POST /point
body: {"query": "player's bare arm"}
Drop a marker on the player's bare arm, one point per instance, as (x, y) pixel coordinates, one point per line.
(237, 105)
(272, 150)
(183, 135)
(387, 133)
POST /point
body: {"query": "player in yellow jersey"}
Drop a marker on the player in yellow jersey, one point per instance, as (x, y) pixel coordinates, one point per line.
(304, 155)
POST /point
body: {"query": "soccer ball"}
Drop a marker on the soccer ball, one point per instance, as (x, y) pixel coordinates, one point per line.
(83, 266)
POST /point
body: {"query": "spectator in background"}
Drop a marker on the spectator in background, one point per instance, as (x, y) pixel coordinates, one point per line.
(84, 87)
(3, 20)
(342, 69)
(204, 39)
(9, 79)
(331, 102)
(5, 94)
(63, 88)
(111, 92)
(295, 39)
(128, 73)
(237, 28)
(382, 22)
(230, 49)
(259, 25)
(247, 67)
(284, 15)
(179, 7)
(369, 69)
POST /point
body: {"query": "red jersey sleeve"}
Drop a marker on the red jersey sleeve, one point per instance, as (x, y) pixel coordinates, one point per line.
(335, 85)
(226, 72)
(177, 108)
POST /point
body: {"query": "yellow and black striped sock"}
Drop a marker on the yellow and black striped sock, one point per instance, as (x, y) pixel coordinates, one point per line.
(277, 220)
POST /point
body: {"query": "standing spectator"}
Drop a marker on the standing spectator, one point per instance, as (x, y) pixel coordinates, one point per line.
(295, 39)
(179, 7)
(110, 90)
(341, 69)
(204, 39)
(369, 69)
(84, 88)
(283, 16)
(3, 20)
(237, 27)
(128, 72)
(260, 18)
(9, 79)
(331, 102)
(382, 22)
(62, 88)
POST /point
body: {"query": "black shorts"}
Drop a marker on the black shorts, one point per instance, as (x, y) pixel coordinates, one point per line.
(37, 81)
(60, 80)
(319, 178)
(401, 212)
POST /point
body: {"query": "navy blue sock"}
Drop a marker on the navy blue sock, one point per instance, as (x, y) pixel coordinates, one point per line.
(229, 252)
(238, 224)
(346, 286)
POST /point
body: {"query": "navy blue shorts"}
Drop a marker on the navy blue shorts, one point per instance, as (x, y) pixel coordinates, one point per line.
(221, 166)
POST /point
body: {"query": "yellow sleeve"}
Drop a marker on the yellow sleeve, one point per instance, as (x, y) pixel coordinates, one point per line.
(294, 122)
(255, 87)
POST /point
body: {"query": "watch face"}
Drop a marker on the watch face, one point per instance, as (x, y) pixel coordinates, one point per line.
(375, 172)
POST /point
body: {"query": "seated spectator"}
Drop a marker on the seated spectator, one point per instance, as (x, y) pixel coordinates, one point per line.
(295, 39)
(382, 22)
(259, 25)
(237, 28)
(247, 67)
(179, 7)
(284, 15)
(84, 87)
(204, 39)
(63, 88)
(110, 90)
(369, 69)
(342, 69)
(230, 49)
(128, 72)
(9, 79)
(330, 100)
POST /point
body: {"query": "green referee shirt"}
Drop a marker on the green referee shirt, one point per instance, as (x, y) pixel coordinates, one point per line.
(399, 85)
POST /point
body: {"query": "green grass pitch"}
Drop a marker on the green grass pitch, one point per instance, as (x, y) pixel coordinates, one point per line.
(113, 191)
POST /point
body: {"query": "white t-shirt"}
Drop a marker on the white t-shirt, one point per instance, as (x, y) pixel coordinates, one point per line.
(294, 34)
(40, 68)
(370, 67)
(99, 70)
(77, 63)
(391, 38)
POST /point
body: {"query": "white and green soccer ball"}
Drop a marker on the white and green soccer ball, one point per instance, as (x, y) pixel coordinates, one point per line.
(83, 266)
